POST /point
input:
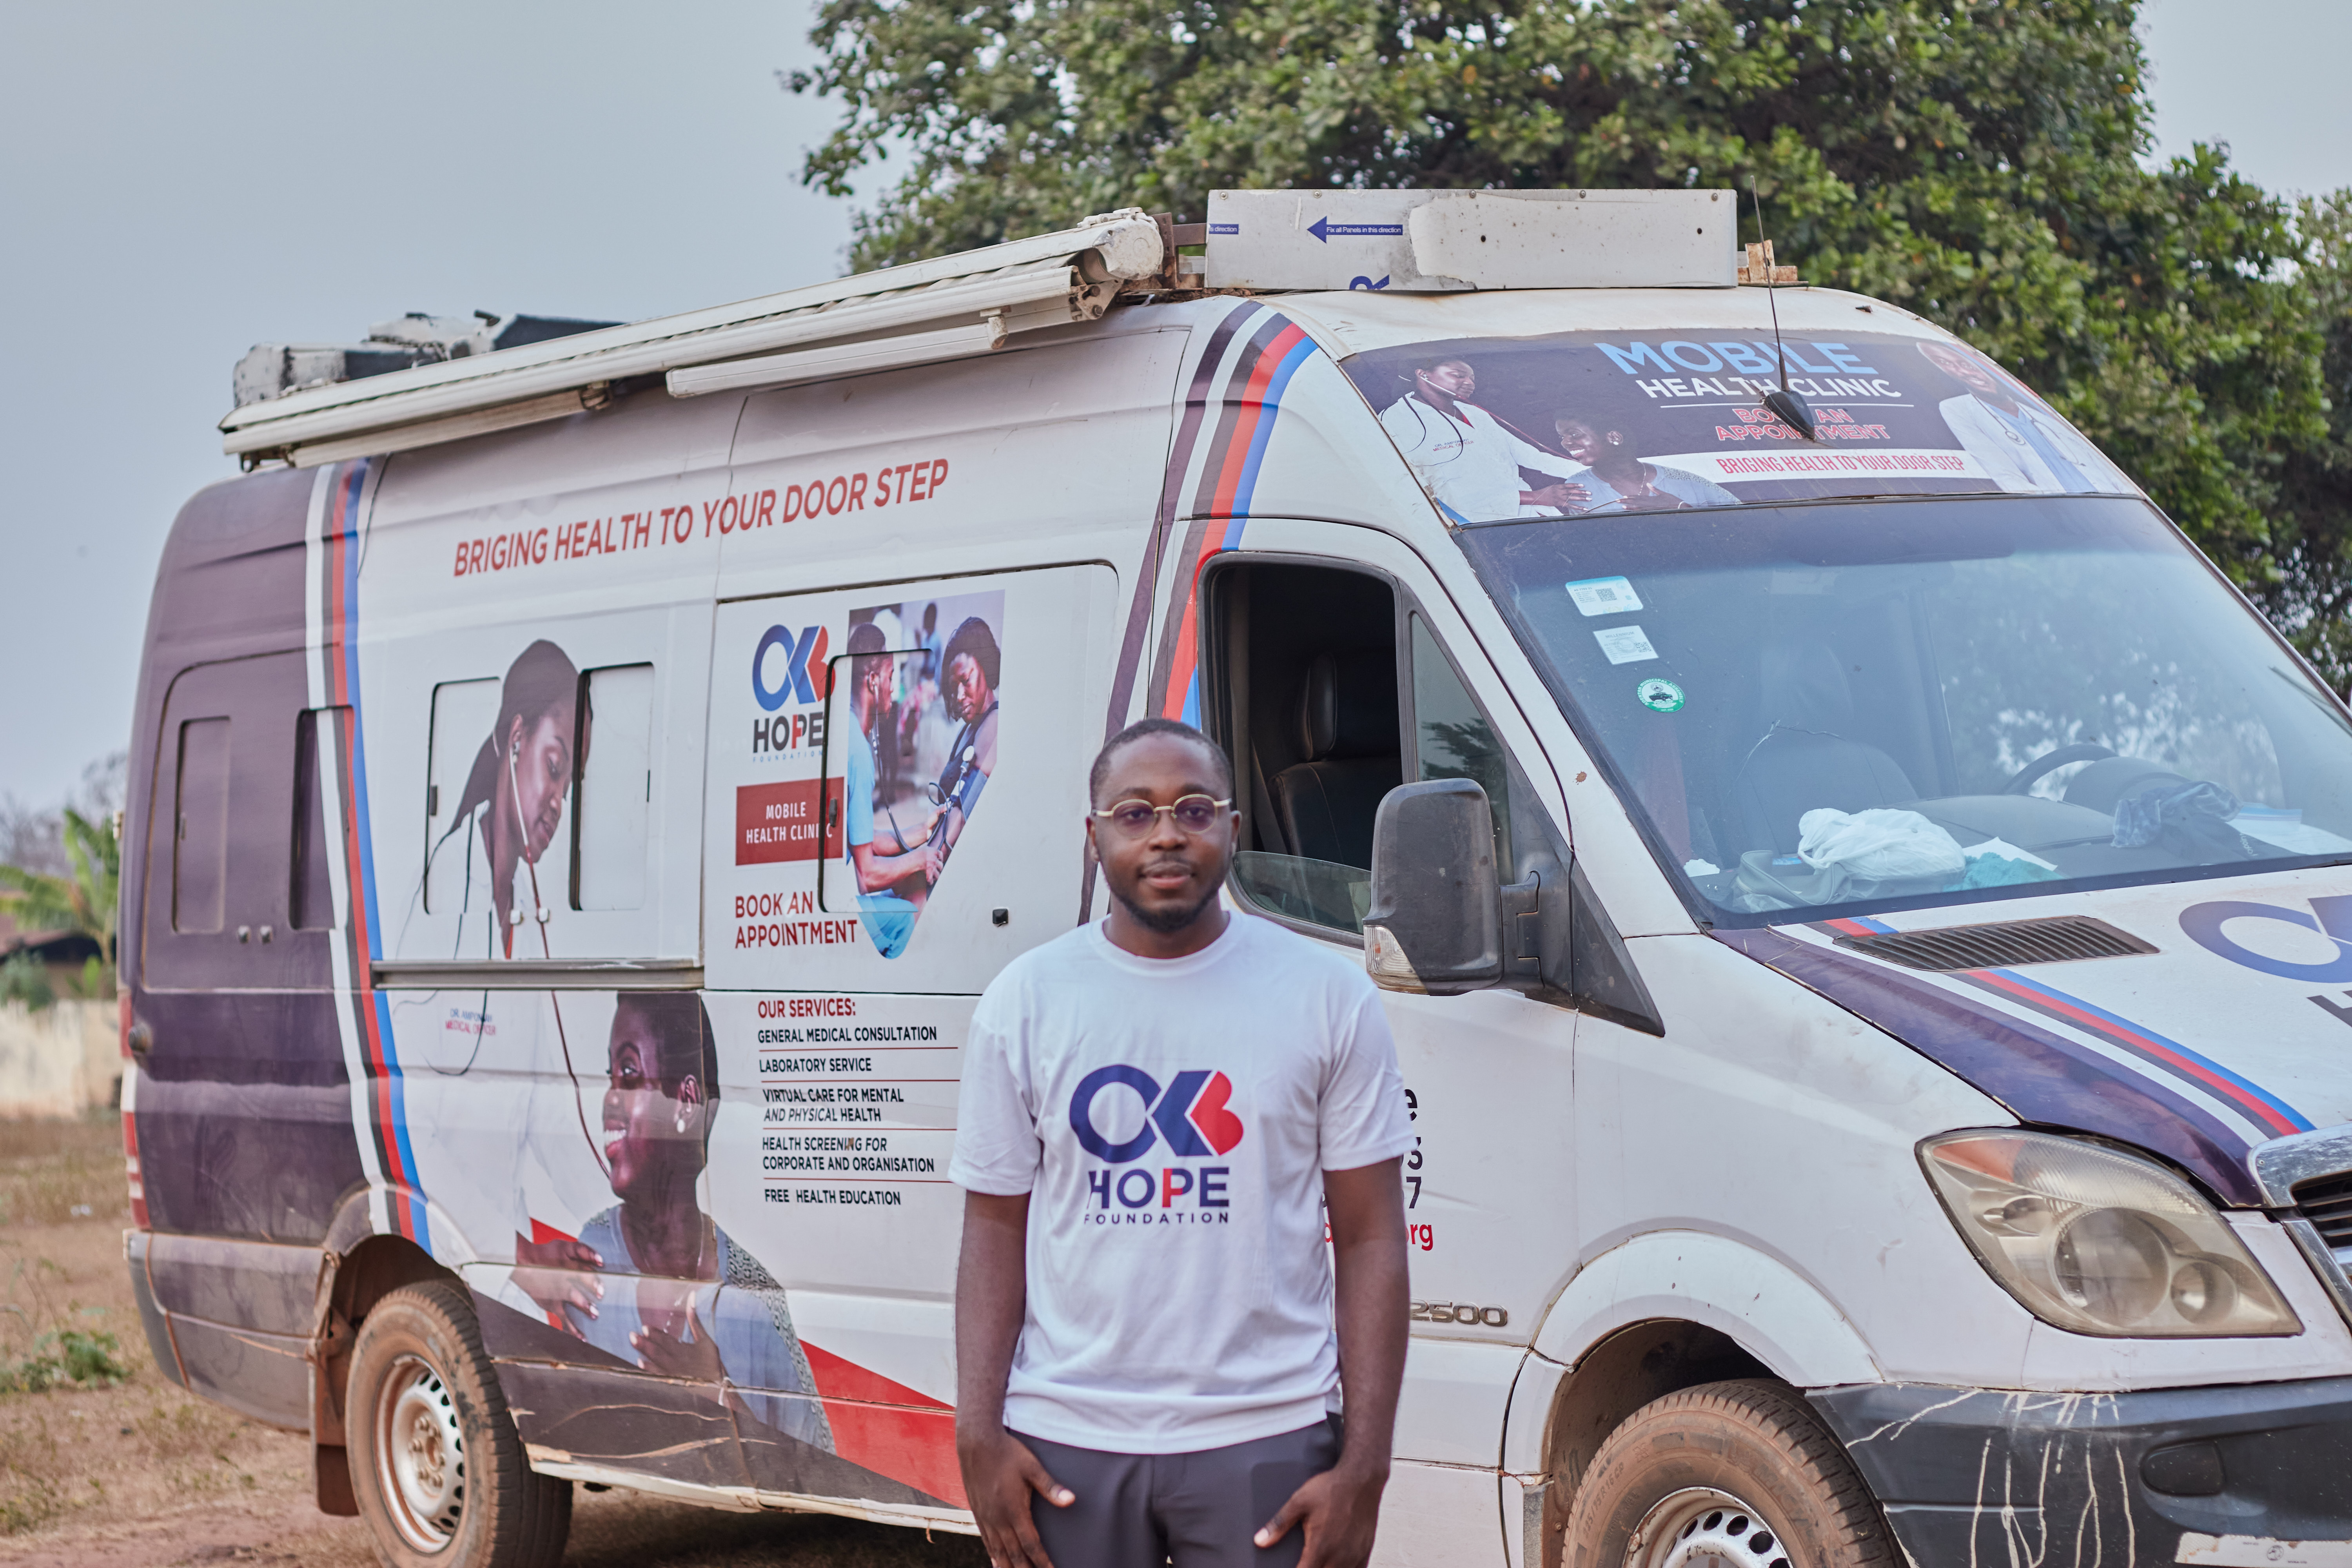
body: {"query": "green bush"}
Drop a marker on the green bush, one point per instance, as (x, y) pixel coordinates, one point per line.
(24, 978)
(95, 981)
(62, 1356)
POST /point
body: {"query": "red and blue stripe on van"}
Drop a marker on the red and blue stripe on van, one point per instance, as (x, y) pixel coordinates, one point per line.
(2094, 1070)
(2242, 1095)
(336, 647)
(1228, 465)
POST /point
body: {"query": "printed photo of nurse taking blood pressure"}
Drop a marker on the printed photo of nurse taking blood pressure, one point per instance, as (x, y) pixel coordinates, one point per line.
(916, 750)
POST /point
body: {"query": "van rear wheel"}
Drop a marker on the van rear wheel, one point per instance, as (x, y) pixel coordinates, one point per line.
(1726, 1475)
(437, 1465)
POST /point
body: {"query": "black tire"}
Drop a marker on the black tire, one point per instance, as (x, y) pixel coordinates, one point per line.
(1744, 1470)
(435, 1462)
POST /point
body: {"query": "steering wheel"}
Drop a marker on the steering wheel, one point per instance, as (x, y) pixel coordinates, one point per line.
(2051, 762)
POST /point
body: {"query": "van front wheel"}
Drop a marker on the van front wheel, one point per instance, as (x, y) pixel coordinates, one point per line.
(1737, 1474)
(437, 1465)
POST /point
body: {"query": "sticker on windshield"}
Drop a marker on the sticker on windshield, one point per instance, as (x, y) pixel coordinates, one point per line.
(1604, 595)
(1624, 644)
(1659, 696)
(1603, 424)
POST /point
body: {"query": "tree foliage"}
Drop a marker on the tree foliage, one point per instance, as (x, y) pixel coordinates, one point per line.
(2311, 594)
(1976, 161)
(82, 900)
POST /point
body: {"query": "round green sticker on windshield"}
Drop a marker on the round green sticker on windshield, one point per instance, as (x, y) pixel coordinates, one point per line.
(1659, 696)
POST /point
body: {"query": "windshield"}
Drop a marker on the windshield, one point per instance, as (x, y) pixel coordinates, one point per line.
(1837, 708)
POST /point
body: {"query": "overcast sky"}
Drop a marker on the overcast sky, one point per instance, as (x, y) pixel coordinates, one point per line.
(180, 181)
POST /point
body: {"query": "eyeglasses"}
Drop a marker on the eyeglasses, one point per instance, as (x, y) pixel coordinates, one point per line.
(1195, 814)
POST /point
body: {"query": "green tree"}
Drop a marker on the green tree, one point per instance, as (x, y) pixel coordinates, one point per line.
(1976, 161)
(81, 900)
(2312, 596)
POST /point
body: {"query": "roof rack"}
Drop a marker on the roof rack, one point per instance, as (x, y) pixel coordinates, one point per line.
(273, 370)
(970, 302)
(424, 380)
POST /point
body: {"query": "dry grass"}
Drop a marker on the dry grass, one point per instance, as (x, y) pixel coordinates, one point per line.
(53, 1172)
(143, 1473)
(95, 1452)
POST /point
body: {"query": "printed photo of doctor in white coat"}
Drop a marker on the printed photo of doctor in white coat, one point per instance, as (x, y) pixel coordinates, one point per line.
(2019, 440)
(1469, 460)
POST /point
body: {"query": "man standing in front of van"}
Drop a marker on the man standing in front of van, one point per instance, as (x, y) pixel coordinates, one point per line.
(1150, 1346)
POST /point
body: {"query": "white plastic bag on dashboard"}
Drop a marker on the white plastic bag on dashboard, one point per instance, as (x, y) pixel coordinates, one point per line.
(1879, 845)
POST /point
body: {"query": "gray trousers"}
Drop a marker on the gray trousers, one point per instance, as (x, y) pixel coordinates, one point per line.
(1195, 1511)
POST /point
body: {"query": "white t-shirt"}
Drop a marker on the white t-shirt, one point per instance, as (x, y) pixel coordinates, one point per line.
(1172, 1120)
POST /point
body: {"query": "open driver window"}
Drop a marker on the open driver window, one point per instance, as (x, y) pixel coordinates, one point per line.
(1304, 673)
(1327, 694)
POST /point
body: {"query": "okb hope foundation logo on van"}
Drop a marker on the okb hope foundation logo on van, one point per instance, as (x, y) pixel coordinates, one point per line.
(2330, 916)
(795, 675)
(1192, 1116)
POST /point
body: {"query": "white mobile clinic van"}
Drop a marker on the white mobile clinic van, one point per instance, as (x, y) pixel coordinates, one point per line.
(1863, 904)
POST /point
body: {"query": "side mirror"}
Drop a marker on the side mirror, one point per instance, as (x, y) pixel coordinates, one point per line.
(1435, 922)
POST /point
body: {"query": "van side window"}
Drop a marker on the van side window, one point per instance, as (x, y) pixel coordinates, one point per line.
(1452, 739)
(311, 892)
(613, 788)
(200, 850)
(1303, 688)
(463, 712)
(216, 844)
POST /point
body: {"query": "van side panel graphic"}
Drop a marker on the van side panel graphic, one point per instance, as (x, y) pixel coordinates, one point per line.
(334, 546)
(890, 1428)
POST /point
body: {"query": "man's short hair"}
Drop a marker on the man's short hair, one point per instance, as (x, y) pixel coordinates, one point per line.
(867, 644)
(1143, 728)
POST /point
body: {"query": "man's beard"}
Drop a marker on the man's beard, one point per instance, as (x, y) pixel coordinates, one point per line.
(1166, 921)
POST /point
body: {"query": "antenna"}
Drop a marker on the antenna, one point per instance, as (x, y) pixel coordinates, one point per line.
(1785, 404)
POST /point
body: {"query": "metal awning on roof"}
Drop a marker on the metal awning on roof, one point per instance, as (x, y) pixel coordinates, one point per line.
(940, 309)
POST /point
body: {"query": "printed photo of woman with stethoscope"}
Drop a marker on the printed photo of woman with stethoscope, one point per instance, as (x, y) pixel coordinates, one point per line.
(484, 1069)
(968, 691)
(484, 866)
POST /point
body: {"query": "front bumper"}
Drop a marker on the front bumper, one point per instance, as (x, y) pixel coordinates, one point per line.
(2178, 1475)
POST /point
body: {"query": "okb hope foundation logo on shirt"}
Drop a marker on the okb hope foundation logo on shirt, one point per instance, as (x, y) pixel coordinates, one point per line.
(1189, 1119)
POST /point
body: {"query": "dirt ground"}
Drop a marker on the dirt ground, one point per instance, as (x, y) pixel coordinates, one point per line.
(140, 1475)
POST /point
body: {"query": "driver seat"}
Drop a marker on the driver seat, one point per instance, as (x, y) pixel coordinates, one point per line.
(1348, 736)
(1804, 760)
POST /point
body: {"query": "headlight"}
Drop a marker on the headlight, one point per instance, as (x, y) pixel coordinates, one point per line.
(2099, 1242)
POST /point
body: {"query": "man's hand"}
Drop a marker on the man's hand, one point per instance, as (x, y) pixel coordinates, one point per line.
(1000, 1472)
(560, 1275)
(999, 1475)
(1565, 496)
(1338, 1509)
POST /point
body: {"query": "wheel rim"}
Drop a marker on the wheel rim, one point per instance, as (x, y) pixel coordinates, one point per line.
(1705, 1528)
(420, 1453)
